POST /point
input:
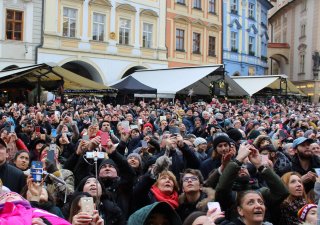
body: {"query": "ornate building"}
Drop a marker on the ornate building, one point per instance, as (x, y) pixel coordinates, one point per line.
(104, 40)
(20, 32)
(194, 32)
(245, 36)
(294, 28)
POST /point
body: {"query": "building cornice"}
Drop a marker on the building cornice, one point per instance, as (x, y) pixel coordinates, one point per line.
(280, 10)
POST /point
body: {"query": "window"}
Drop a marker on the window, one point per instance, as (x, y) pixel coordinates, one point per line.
(303, 30)
(197, 4)
(14, 25)
(181, 2)
(69, 22)
(212, 46)
(251, 11)
(212, 6)
(251, 46)
(196, 43)
(234, 41)
(234, 6)
(302, 63)
(180, 40)
(124, 31)
(147, 35)
(98, 27)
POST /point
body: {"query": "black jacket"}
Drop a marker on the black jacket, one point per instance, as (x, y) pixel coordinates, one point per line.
(12, 178)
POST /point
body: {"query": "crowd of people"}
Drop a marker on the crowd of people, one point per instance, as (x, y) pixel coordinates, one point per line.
(160, 162)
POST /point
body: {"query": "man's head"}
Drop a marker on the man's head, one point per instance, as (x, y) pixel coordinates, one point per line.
(108, 169)
(302, 145)
(191, 181)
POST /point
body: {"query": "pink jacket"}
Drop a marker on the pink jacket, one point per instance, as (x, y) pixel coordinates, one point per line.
(18, 214)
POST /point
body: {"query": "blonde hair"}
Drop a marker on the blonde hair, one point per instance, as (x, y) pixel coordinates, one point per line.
(171, 176)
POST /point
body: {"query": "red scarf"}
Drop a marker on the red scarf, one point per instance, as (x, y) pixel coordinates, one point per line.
(172, 199)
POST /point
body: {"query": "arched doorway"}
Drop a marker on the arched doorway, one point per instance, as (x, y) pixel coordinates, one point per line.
(83, 69)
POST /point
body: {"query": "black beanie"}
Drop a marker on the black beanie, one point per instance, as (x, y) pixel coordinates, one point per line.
(221, 138)
(234, 134)
(110, 162)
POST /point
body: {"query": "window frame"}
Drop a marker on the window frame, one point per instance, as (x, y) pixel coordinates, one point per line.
(212, 4)
(69, 23)
(302, 30)
(14, 22)
(197, 4)
(149, 35)
(251, 11)
(196, 43)
(182, 2)
(251, 46)
(98, 23)
(302, 62)
(212, 46)
(124, 29)
(234, 39)
(234, 6)
(180, 39)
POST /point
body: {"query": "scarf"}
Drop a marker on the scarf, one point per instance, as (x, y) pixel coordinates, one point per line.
(172, 199)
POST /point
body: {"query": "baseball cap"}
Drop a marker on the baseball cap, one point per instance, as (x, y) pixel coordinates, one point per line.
(301, 140)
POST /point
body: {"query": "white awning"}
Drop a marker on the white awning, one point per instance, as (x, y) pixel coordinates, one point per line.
(253, 84)
(183, 80)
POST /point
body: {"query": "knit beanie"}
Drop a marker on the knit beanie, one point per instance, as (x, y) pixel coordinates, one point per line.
(137, 156)
(234, 134)
(199, 141)
(110, 162)
(303, 212)
(221, 138)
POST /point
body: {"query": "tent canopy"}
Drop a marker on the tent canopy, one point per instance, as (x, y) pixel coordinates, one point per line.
(184, 80)
(130, 85)
(253, 84)
(49, 75)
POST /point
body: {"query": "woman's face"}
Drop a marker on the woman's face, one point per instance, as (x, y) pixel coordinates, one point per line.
(312, 216)
(223, 148)
(252, 208)
(4, 135)
(295, 186)
(165, 184)
(91, 187)
(22, 161)
(10, 197)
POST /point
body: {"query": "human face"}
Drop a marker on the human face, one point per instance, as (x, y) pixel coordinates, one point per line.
(105, 126)
(108, 171)
(190, 183)
(304, 150)
(165, 184)
(315, 148)
(134, 134)
(202, 147)
(157, 219)
(223, 148)
(22, 161)
(3, 154)
(133, 162)
(295, 186)
(10, 197)
(252, 208)
(91, 187)
(299, 133)
(312, 216)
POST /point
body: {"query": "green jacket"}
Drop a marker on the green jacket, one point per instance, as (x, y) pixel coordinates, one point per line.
(140, 216)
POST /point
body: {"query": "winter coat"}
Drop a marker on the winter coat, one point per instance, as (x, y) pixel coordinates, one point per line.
(22, 214)
(12, 177)
(185, 208)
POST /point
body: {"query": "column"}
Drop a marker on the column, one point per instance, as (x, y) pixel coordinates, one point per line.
(2, 29)
(84, 43)
(112, 47)
(136, 50)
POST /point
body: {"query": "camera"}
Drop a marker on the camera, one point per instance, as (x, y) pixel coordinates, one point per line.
(92, 155)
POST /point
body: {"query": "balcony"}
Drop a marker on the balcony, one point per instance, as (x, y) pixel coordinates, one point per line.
(234, 11)
(252, 53)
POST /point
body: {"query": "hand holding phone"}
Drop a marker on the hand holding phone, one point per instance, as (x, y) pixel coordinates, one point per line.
(87, 205)
(36, 171)
(104, 138)
(214, 205)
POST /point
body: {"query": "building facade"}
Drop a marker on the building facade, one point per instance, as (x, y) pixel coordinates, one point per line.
(245, 36)
(194, 32)
(20, 32)
(294, 28)
(104, 40)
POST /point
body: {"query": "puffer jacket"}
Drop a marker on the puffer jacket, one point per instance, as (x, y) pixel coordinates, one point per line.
(21, 213)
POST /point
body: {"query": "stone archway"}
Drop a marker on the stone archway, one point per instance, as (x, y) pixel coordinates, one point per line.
(132, 70)
(83, 69)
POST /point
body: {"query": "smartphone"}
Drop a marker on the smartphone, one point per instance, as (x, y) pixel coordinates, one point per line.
(126, 125)
(111, 132)
(51, 152)
(163, 118)
(214, 205)
(87, 205)
(85, 137)
(94, 121)
(57, 113)
(37, 129)
(36, 171)
(53, 133)
(264, 159)
(11, 129)
(140, 121)
(317, 170)
(144, 144)
(104, 138)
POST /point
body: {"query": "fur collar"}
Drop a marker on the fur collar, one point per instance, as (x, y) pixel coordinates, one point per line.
(207, 195)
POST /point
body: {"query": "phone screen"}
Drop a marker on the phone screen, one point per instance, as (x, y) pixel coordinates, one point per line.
(12, 129)
(85, 137)
(51, 152)
(214, 205)
(104, 138)
(53, 133)
(265, 159)
(36, 171)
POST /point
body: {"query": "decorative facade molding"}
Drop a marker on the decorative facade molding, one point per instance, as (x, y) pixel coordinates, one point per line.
(126, 7)
(236, 22)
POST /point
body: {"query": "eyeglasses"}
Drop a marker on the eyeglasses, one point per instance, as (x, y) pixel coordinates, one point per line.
(193, 178)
